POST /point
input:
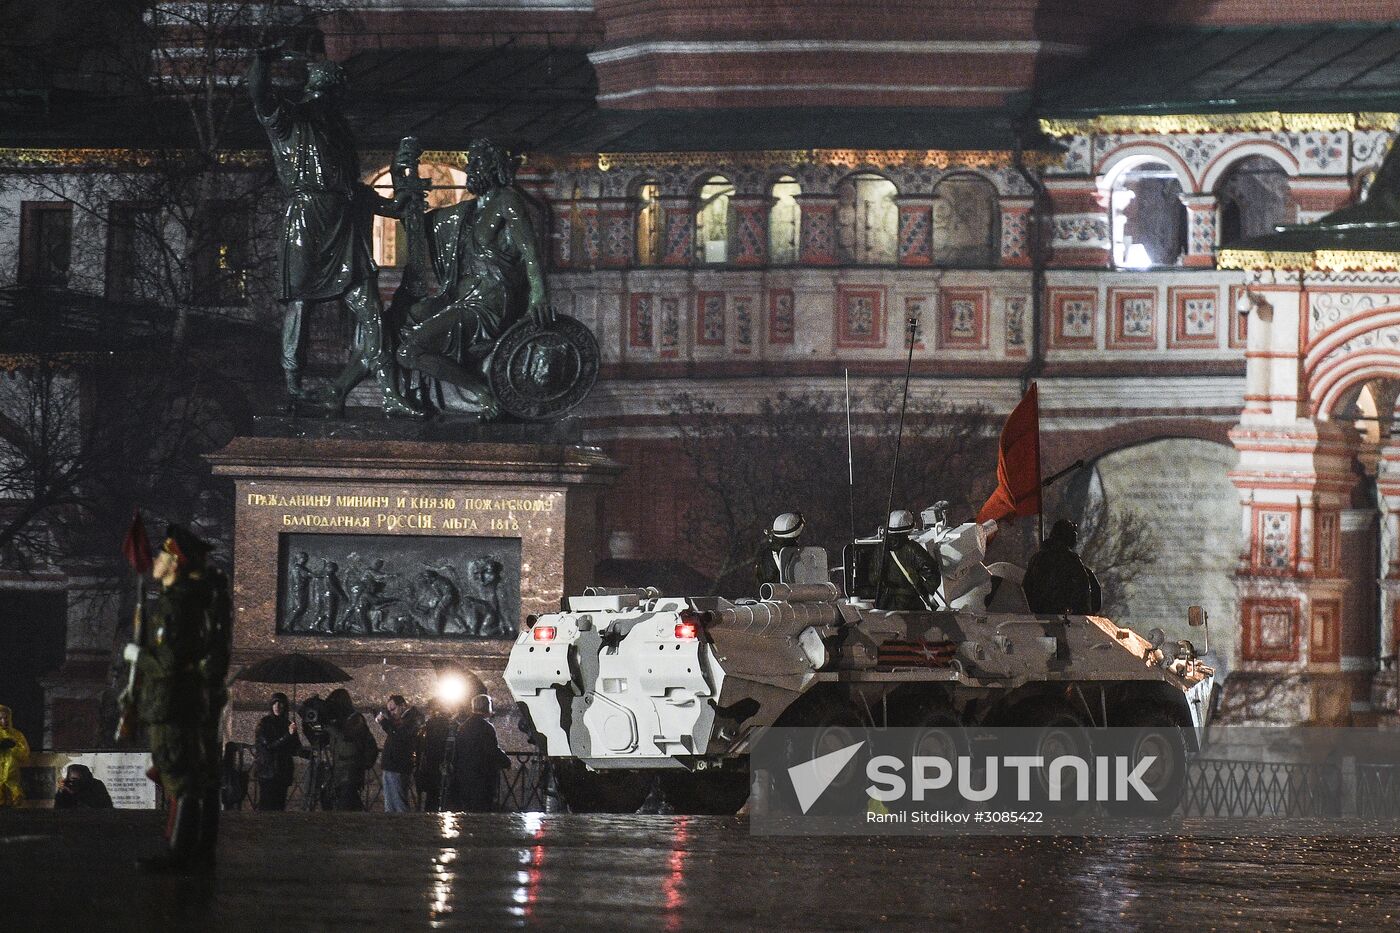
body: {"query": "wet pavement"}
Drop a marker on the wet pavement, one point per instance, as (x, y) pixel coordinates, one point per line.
(319, 871)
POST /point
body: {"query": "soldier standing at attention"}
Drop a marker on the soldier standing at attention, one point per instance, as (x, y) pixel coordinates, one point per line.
(912, 576)
(786, 529)
(181, 696)
(1056, 579)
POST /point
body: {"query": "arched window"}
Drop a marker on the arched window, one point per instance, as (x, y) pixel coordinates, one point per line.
(867, 220)
(1149, 219)
(648, 223)
(712, 221)
(965, 219)
(1253, 199)
(390, 242)
(784, 222)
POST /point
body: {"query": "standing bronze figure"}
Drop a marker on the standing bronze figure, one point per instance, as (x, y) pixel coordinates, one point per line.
(326, 247)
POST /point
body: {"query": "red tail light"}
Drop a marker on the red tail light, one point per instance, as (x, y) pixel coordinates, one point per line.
(688, 628)
(544, 632)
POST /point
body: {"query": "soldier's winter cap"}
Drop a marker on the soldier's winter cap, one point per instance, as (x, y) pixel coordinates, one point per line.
(280, 698)
(185, 546)
(788, 525)
(901, 522)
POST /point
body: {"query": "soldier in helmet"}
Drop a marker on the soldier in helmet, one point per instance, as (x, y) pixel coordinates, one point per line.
(1056, 579)
(786, 529)
(911, 575)
(183, 662)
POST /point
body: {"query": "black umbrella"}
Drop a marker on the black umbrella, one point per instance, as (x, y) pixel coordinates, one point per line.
(295, 668)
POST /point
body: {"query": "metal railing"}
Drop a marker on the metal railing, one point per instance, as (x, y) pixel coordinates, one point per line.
(524, 787)
(1224, 788)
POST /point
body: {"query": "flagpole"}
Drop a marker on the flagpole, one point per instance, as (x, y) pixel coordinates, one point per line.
(850, 489)
(1039, 487)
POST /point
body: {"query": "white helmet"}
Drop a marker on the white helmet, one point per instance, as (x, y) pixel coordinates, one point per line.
(787, 526)
(901, 522)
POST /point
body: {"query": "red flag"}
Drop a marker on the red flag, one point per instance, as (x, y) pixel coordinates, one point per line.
(1018, 464)
(136, 547)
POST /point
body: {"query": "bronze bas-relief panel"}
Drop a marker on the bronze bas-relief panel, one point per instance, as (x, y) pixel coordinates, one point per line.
(277, 520)
(407, 587)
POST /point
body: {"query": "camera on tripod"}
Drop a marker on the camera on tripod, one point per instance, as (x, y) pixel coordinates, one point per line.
(316, 715)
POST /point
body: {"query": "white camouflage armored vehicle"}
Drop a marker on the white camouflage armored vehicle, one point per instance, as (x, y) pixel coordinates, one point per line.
(628, 685)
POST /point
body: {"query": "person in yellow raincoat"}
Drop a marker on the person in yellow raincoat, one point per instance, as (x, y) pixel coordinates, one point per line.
(14, 751)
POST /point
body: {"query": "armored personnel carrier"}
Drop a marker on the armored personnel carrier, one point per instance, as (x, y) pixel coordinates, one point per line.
(628, 686)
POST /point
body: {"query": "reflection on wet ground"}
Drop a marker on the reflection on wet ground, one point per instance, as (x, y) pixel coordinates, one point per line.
(299, 871)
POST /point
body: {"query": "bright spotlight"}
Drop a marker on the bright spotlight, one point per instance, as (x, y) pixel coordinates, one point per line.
(451, 688)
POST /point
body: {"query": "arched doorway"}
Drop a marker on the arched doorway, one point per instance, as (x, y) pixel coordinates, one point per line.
(1160, 525)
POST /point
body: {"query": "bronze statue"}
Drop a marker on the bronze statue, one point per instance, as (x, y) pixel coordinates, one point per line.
(486, 256)
(326, 244)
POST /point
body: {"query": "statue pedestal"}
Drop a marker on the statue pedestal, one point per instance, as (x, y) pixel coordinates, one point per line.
(395, 558)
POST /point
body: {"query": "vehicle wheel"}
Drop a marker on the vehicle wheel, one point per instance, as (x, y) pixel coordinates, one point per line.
(1151, 730)
(588, 791)
(940, 734)
(828, 724)
(713, 792)
(1059, 732)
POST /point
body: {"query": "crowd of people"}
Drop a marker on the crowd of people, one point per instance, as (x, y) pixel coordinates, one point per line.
(448, 759)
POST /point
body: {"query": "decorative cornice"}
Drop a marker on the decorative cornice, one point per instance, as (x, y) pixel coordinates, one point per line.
(109, 159)
(1320, 260)
(88, 158)
(843, 158)
(825, 87)
(875, 46)
(1268, 121)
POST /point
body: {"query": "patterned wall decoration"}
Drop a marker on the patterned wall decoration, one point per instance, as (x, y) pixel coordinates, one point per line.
(1016, 326)
(592, 238)
(1239, 323)
(680, 232)
(709, 319)
(963, 318)
(618, 230)
(1324, 643)
(1073, 317)
(1015, 226)
(1327, 547)
(670, 327)
(818, 233)
(915, 232)
(641, 327)
(860, 317)
(1132, 316)
(744, 338)
(1271, 630)
(1275, 540)
(915, 307)
(1195, 317)
(750, 236)
(563, 239)
(782, 318)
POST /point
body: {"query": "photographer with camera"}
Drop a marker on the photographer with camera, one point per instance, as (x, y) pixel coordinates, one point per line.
(275, 745)
(400, 723)
(353, 751)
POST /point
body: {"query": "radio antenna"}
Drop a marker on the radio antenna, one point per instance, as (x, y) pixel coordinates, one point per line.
(913, 327)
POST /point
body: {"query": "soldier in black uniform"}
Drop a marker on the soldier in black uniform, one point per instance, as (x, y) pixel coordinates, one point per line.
(1056, 579)
(182, 663)
(786, 529)
(911, 575)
